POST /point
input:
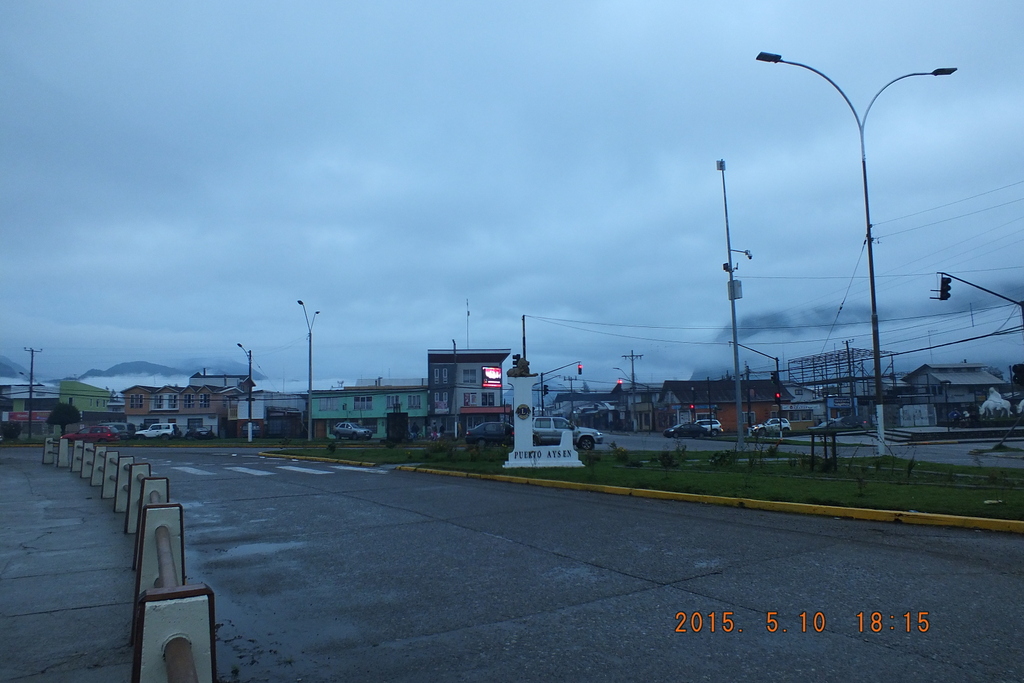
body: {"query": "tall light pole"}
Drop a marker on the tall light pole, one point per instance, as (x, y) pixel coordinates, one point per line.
(309, 396)
(861, 121)
(249, 354)
(735, 292)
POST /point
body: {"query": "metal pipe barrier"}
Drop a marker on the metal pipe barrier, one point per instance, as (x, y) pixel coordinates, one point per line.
(172, 623)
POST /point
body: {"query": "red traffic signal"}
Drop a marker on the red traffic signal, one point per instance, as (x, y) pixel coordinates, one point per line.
(579, 368)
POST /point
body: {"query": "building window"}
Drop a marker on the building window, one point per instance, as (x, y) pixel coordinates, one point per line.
(469, 376)
(157, 402)
(469, 398)
(487, 398)
(328, 404)
(135, 401)
(437, 375)
(204, 400)
(362, 403)
(188, 401)
(195, 422)
(172, 401)
(444, 375)
(393, 401)
(413, 401)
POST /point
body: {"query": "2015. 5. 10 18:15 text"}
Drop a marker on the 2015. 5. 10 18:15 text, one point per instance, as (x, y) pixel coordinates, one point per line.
(804, 622)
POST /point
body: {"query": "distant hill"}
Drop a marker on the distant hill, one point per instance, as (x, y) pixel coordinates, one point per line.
(138, 367)
(8, 368)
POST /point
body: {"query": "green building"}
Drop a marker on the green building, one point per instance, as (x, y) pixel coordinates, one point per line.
(368, 403)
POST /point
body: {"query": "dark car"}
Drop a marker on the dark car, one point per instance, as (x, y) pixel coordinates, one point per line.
(98, 434)
(686, 430)
(490, 433)
(203, 433)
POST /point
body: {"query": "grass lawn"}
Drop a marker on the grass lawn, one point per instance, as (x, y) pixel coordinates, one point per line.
(865, 482)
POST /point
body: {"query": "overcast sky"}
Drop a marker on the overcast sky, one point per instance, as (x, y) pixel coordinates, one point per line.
(174, 177)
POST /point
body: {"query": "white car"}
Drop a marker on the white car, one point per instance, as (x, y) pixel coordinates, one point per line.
(712, 427)
(159, 430)
(770, 427)
(548, 430)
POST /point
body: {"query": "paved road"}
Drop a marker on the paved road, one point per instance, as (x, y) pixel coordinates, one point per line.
(951, 453)
(327, 573)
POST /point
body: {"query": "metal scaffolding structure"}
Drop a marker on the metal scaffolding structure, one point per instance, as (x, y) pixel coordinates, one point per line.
(837, 373)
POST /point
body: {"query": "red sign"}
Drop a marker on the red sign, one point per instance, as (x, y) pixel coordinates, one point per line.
(492, 378)
(22, 416)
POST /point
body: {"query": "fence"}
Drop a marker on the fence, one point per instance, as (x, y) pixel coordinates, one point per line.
(172, 621)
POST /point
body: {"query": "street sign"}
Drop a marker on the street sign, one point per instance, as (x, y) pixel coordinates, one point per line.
(840, 402)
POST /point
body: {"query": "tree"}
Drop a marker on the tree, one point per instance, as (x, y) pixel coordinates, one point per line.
(63, 414)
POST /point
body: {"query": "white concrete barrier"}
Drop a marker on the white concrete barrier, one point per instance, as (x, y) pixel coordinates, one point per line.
(63, 455)
(88, 457)
(155, 491)
(109, 483)
(124, 467)
(136, 473)
(174, 635)
(49, 451)
(99, 463)
(76, 456)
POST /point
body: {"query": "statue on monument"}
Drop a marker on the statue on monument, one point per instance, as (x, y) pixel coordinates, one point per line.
(521, 368)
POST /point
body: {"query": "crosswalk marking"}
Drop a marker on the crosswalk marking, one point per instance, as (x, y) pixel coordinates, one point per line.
(192, 470)
(306, 470)
(367, 470)
(246, 470)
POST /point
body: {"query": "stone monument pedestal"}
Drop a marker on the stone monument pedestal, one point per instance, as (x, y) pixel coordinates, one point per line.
(524, 453)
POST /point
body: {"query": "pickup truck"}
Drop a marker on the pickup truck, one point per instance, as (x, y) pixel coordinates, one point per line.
(548, 431)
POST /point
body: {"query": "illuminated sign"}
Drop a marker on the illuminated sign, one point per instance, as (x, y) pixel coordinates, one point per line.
(492, 378)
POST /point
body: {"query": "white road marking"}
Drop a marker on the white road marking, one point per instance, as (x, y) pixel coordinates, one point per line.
(307, 470)
(368, 470)
(246, 470)
(192, 470)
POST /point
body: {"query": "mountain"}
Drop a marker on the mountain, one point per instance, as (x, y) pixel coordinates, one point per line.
(8, 368)
(138, 367)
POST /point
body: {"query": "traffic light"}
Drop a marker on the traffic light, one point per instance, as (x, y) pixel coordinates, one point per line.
(775, 377)
(778, 397)
(1018, 374)
(579, 368)
(545, 389)
(619, 381)
(944, 283)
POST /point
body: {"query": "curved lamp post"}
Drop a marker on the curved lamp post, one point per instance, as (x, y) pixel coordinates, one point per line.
(861, 121)
(309, 394)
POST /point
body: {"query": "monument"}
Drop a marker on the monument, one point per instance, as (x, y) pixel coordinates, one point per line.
(524, 452)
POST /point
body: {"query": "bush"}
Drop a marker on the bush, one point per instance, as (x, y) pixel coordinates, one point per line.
(331, 447)
(722, 458)
(10, 430)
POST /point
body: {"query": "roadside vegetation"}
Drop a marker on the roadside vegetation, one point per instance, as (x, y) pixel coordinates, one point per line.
(884, 483)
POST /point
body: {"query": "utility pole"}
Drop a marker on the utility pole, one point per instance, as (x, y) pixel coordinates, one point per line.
(249, 424)
(735, 292)
(570, 379)
(632, 358)
(31, 384)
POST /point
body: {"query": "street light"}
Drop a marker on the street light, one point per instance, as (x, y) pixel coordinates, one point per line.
(249, 354)
(861, 121)
(309, 396)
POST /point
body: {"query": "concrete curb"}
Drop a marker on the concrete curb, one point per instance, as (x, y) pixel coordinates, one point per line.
(925, 518)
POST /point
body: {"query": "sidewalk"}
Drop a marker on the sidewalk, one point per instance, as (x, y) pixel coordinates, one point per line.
(65, 576)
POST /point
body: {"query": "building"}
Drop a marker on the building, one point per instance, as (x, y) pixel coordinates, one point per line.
(189, 407)
(369, 404)
(690, 400)
(932, 391)
(465, 388)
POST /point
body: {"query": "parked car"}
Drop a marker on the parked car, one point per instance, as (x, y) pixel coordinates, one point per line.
(490, 433)
(347, 430)
(201, 433)
(845, 422)
(711, 427)
(686, 430)
(159, 430)
(125, 430)
(548, 430)
(771, 426)
(97, 434)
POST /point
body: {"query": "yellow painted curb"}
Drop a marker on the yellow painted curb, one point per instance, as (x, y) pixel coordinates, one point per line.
(313, 458)
(926, 518)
